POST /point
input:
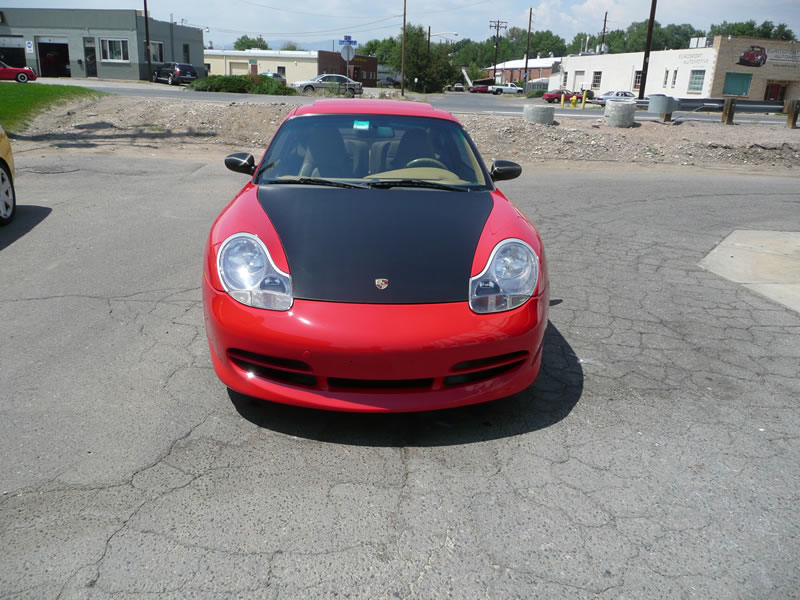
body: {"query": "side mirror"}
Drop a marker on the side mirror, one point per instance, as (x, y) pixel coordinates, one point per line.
(504, 169)
(241, 162)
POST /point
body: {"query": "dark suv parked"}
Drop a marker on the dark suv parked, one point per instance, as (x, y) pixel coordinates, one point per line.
(174, 73)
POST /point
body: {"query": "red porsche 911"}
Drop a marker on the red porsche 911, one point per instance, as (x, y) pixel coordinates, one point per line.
(370, 264)
(20, 74)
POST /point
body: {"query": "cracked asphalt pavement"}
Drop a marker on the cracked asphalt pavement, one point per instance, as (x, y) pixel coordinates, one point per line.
(655, 457)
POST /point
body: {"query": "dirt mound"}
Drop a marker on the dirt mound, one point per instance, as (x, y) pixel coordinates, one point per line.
(118, 123)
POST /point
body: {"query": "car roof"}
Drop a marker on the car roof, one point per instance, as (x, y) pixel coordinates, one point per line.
(373, 107)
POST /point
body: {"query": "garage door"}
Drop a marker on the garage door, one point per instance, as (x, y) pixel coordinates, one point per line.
(737, 84)
(238, 68)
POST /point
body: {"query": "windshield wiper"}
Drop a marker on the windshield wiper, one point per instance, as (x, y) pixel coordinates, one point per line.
(315, 181)
(386, 184)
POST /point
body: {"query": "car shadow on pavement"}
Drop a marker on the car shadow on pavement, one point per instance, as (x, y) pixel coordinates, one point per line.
(26, 218)
(550, 399)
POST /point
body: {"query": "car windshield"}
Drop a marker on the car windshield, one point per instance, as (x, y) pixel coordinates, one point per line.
(371, 148)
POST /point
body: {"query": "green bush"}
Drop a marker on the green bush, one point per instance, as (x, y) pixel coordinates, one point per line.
(241, 84)
(535, 94)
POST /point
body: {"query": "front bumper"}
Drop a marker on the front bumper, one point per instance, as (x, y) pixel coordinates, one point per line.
(374, 358)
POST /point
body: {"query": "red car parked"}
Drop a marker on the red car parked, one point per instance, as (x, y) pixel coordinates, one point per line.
(370, 264)
(21, 74)
(555, 95)
(479, 89)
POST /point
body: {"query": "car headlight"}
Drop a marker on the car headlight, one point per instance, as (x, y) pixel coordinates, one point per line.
(249, 276)
(508, 280)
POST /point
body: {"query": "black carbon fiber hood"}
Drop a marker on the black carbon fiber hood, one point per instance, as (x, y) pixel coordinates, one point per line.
(338, 242)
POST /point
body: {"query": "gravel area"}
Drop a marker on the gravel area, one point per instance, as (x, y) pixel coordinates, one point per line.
(117, 123)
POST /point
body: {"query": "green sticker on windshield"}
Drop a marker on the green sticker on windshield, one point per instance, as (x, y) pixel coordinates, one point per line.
(360, 124)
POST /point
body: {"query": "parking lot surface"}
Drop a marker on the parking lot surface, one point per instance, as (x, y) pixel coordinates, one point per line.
(655, 457)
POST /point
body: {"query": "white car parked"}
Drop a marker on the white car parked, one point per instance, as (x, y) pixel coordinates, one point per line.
(506, 88)
(616, 95)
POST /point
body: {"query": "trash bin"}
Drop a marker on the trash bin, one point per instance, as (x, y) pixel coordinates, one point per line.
(620, 112)
(661, 104)
(539, 114)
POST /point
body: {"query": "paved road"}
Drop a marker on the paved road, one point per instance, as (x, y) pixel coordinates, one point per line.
(454, 102)
(655, 457)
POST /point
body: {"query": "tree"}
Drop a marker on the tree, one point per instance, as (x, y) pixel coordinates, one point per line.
(636, 37)
(382, 49)
(467, 51)
(289, 46)
(579, 42)
(246, 43)
(741, 29)
(615, 40)
(677, 36)
(474, 71)
(750, 29)
(782, 32)
(545, 42)
(433, 70)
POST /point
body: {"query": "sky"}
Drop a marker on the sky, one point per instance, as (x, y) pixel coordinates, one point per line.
(320, 22)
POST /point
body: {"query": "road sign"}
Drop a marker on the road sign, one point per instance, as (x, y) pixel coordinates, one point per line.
(348, 52)
(347, 41)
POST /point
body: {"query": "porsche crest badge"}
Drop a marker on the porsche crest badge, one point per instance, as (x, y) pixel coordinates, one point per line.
(381, 283)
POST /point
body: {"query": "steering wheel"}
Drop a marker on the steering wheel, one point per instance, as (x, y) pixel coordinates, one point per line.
(425, 162)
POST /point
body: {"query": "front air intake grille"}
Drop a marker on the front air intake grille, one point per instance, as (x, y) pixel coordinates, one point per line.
(476, 376)
(482, 363)
(379, 384)
(272, 368)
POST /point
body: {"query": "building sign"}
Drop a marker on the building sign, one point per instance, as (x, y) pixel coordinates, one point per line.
(783, 57)
(769, 57)
(695, 58)
(29, 47)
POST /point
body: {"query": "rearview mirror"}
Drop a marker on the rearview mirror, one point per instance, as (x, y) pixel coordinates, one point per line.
(504, 169)
(241, 162)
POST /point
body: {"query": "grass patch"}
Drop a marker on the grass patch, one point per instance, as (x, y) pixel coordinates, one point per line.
(535, 94)
(241, 84)
(19, 103)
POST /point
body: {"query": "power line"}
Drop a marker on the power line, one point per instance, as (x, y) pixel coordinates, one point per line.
(350, 28)
(497, 26)
(454, 8)
(300, 12)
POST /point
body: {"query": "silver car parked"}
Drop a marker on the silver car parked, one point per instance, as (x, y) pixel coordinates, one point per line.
(616, 95)
(338, 83)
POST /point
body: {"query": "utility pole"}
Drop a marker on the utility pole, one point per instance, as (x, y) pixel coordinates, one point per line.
(403, 55)
(603, 33)
(497, 26)
(147, 43)
(429, 41)
(528, 47)
(646, 62)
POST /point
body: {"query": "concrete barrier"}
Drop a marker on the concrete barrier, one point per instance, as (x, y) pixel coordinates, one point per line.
(536, 113)
(619, 113)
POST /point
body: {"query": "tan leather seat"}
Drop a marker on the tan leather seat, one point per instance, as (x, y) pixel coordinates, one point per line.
(416, 143)
(326, 155)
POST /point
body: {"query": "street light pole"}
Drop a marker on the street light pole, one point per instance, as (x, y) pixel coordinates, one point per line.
(147, 43)
(646, 62)
(528, 48)
(403, 55)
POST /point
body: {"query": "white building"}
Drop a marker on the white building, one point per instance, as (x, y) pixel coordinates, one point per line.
(671, 72)
(745, 68)
(295, 65)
